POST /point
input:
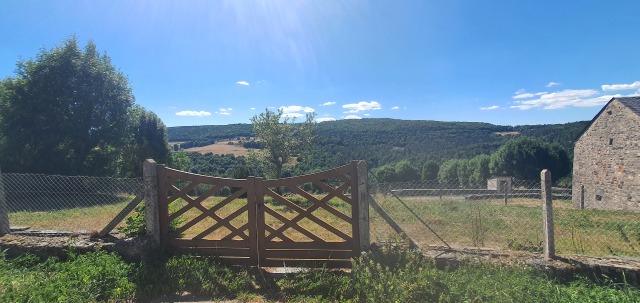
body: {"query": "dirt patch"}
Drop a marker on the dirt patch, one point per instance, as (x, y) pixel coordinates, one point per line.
(222, 148)
(502, 134)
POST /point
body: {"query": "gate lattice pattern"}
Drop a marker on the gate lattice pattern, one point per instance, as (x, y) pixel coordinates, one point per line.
(306, 220)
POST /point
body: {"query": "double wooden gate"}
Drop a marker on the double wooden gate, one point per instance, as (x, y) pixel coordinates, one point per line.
(309, 220)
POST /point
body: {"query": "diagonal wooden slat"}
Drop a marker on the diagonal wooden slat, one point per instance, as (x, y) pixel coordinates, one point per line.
(310, 216)
(201, 198)
(241, 228)
(226, 222)
(210, 211)
(292, 223)
(282, 237)
(322, 203)
(181, 193)
(276, 233)
(338, 194)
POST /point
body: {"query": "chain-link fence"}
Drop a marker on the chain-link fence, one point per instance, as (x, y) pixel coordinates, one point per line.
(506, 214)
(66, 203)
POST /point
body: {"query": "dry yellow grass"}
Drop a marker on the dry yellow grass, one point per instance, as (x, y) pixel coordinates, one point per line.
(221, 148)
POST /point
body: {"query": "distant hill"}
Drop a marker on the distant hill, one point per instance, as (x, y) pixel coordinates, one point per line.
(382, 141)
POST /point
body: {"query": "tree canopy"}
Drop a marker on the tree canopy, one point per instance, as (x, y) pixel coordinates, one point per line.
(282, 138)
(70, 111)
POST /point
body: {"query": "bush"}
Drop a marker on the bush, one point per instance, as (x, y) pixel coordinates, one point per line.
(92, 277)
(136, 224)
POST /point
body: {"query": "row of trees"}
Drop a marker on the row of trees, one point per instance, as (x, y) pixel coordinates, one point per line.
(522, 158)
(70, 111)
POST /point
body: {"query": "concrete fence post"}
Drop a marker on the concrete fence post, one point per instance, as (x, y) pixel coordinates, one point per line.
(4, 216)
(151, 207)
(363, 205)
(547, 214)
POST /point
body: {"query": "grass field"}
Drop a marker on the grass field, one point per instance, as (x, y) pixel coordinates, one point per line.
(517, 225)
(92, 218)
(221, 148)
(484, 223)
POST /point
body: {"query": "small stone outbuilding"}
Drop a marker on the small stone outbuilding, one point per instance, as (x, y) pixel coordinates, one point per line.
(606, 161)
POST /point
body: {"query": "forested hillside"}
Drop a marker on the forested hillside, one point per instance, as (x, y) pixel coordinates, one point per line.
(382, 141)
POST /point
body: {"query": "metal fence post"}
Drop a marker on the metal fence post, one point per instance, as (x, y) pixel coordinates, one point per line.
(582, 196)
(150, 175)
(4, 216)
(547, 214)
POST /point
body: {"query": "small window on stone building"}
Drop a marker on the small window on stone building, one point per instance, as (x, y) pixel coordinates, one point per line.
(599, 193)
(609, 112)
(610, 141)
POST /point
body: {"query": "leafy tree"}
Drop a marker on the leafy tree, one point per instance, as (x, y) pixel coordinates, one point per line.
(448, 172)
(180, 160)
(479, 170)
(386, 173)
(68, 112)
(405, 172)
(148, 139)
(524, 158)
(282, 138)
(430, 171)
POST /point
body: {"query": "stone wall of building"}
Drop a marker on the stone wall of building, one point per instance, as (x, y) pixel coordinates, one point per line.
(606, 163)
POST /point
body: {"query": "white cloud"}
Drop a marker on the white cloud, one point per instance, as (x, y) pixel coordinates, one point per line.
(252, 108)
(260, 82)
(328, 103)
(561, 99)
(193, 113)
(367, 115)
(361, 106)
(540, 93)
(295, 111)
(245, 83)
(552, 84)
(523, 96)
(634, 85)
(597, 101)
(352, 117)
(325, 119)
(224, 111)
(490, 107)
(520, 91)
(395, 108)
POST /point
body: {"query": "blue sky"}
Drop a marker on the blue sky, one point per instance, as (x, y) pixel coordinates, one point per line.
(221, 62)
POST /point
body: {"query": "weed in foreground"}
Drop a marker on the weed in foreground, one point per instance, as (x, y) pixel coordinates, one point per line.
(93, 277)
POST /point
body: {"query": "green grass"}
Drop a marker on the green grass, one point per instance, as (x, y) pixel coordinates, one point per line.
(71, 219)
(389, 274)
(517, 225)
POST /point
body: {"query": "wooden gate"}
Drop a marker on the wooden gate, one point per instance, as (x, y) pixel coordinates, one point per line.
(317, 219)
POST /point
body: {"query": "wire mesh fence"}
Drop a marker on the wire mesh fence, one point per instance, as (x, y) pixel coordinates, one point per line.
(66, 203)
(506, 214)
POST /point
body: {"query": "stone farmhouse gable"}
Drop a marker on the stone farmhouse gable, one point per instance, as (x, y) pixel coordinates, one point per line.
(606, 161)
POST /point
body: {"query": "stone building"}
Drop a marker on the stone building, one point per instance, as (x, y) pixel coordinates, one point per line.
(606, 161)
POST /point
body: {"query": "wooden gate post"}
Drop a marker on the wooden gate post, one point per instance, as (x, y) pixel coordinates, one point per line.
(4, 216)
(151, 210)
(363, 205)
(547, 214)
